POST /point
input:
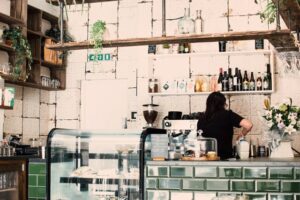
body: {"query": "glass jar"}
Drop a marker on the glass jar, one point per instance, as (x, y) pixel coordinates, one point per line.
(153, 85)
(186, 25)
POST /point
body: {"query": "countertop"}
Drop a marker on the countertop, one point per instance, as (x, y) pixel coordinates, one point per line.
(247, 162)
(18, 157)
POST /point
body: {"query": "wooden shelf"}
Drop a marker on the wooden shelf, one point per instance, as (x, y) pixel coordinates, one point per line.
(272, 35)
(39, 34)
(9, 79)
(8, 189)
(292, 8)
(207, 93)
(5, 47)
(6, 108)
(71, 2)
(10, 20)
(52, 65)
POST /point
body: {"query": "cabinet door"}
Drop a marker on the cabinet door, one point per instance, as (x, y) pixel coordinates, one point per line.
(13, 179)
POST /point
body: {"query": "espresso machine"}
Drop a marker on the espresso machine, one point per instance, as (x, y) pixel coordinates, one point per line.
(177, 131)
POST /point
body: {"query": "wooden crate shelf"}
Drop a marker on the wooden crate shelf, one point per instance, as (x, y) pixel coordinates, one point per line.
(5, 47)
(271, 35)
(10, 20)
(52, 65)
(292, 8)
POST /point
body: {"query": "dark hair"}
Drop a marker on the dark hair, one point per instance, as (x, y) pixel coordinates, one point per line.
(215, 102)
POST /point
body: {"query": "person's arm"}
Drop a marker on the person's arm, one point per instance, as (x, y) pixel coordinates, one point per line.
(246, 127)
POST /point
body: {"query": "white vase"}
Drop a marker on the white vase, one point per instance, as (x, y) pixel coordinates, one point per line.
(284, 150)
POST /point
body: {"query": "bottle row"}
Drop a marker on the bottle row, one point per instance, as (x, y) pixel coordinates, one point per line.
(229, 82)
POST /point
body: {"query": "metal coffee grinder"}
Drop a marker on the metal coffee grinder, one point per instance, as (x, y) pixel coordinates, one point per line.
(150, 114)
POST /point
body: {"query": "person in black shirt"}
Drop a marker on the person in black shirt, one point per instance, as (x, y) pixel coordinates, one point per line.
(217, 122)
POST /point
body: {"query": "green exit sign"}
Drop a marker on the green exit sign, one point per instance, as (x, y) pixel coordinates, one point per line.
(100, 57)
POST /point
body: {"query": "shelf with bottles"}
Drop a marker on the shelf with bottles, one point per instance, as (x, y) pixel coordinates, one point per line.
(8, 190)
(254, 78)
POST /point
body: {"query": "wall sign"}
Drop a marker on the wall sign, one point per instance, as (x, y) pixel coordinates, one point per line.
(100, 57)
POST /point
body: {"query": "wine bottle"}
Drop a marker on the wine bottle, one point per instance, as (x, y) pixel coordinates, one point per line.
(230, 80)
(265, 82)
(269, 76)
(199, 23)
(252, 82)
(235, 78)
(220, 80)
(181, 48)
(245, 81)
(239, 81)
(186, 47)
(225, 82)
(259, 82)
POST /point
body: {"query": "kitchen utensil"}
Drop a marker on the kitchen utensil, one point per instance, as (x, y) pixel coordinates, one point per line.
(150, 114)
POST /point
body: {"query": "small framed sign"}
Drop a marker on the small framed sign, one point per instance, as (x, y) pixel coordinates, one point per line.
(99, 57)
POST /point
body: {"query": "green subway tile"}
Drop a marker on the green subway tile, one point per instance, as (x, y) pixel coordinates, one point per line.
(206, 172)
(193, 184)
(169, 183)
(37, 168)
(281, 173)
(186, 171)
(32, 180)
(204, 195)
(157, 194)
(41, 180)
(281, 197)
(222, 194)
(297, 197)
(181, 195)
(230, 172)
(158, 171)
(255, 196)
(291, 186)
(267, 186)
(243, 186)
(217, 185)
(37, 192)
(255, 172)
(297, 172)
(151, 183)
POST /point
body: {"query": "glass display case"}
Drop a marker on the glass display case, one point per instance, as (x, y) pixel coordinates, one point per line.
(93, 165)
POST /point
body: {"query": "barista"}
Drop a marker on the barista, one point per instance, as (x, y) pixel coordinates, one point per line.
(217, 122)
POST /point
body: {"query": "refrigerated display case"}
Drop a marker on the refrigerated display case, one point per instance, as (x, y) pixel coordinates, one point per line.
(96, 164)
(13, 178)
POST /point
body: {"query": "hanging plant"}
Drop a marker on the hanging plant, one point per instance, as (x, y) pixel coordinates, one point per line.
(97, 32)
(21, 48)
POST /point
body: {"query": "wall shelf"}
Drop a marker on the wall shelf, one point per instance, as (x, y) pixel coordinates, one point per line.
(5, 108)
(292, 8)
(207, 93)
(71, 2)
(10, 20)
(9, 79)
(277, 38)
(52, 65)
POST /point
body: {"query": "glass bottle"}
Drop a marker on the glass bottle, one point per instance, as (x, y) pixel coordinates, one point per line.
(198, 23)
(230, 80)
(235, 79)
(259, 82)
(225, 82)
(186, 25)
(252, 82)
(220, 80)
(239, 81)
(245, 82)
(265, 82)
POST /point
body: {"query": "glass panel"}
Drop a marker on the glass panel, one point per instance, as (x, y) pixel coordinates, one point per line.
(95, 165)
(9, 185)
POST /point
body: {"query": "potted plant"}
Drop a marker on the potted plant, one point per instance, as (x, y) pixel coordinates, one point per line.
(97, 32)
(22, 50)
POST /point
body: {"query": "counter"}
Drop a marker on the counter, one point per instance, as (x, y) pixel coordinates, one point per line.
(260, 178)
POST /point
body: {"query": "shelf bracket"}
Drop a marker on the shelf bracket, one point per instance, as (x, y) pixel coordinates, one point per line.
(278, 28)
(164, 18)
(61, 7)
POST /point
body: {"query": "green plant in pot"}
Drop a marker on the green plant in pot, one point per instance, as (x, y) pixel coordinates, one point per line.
(21, 48)
(97, 33)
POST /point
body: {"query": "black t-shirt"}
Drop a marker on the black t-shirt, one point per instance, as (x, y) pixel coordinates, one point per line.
(220, 126)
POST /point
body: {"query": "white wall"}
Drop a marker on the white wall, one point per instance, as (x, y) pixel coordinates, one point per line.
(137, 18)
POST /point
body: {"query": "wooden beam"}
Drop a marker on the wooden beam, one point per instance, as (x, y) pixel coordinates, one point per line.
(71, 2)
(228, 36)
(292, 8)
(10, 20)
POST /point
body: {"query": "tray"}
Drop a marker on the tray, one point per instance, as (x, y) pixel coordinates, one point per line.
(203, 158)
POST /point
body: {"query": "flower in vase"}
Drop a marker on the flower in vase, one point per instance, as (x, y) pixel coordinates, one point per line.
(283, 117)
(290, 129)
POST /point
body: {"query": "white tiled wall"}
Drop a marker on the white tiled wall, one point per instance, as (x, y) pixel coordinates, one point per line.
(36, 112)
